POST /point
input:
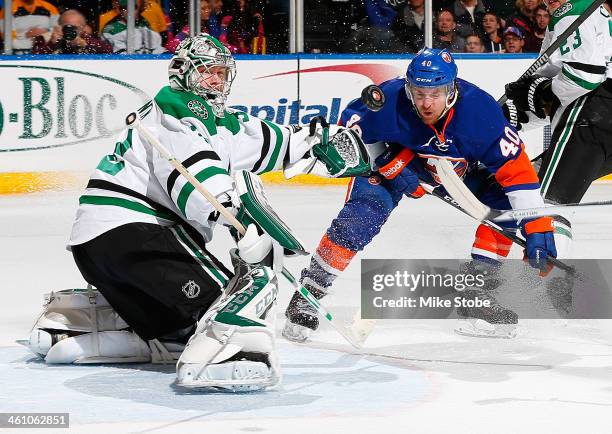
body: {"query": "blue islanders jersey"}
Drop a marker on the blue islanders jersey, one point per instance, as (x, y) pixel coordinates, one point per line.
(473, 131)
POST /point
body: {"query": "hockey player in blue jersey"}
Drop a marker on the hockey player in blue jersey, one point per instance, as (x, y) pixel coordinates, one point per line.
(429, 114)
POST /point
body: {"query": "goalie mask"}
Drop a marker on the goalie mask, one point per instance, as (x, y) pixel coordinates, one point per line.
(204, 66)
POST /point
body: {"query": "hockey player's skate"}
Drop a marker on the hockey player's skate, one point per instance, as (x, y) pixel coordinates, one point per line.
(492, 321)
(302, 318)
(233, 348)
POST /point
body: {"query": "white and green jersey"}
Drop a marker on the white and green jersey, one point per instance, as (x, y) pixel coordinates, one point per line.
(146, 41)
(135, 184)
(579, 65)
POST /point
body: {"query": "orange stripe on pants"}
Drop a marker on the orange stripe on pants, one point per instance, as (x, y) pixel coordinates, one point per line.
(334, 255)
(489, 240)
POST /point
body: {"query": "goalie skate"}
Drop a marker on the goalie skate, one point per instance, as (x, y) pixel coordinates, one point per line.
(236, 376)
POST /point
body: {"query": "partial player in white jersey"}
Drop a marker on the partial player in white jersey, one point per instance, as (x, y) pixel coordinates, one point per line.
(141, 231)
(574, 90)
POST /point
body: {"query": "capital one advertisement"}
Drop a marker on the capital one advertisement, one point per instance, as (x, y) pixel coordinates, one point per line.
(62, 114)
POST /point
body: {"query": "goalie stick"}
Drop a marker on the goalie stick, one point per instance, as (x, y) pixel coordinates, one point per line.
(540, 61)
(353, 335)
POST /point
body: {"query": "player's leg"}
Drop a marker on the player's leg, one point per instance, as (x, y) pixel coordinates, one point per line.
(233, 347)
(368, 205)
(157, 280)
(577, 155)
(488, 251)
(601, 103)
(489, 247)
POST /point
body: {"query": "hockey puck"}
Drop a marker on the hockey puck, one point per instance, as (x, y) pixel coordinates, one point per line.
(373, 97)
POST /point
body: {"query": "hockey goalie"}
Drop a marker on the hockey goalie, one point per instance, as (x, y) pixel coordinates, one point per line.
(141, 232)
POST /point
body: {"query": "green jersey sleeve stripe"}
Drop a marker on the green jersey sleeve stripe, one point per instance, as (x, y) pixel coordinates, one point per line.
(198, 156)
(277, 146)
(124, 203)
(265, 131)
(579, 81)
(187, 189)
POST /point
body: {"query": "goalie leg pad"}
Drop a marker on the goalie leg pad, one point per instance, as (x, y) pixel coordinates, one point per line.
(233, 347)
(79, 326)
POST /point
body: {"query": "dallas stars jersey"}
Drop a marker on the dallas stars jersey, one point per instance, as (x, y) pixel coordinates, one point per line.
(579, 65)
(136, 184)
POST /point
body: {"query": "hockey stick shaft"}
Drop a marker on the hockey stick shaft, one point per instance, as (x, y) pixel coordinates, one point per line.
(133, 121)
(472, 205)
(520, 214)
(541, 61)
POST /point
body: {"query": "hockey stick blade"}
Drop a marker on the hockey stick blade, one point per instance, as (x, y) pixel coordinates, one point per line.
(354, 335)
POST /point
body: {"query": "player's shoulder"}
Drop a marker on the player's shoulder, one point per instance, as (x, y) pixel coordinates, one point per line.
(181, 105)
(477, 111)
(474, 100)
(570, 9)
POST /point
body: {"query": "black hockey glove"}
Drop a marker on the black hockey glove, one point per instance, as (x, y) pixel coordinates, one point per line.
(532, 94)
(515, 117)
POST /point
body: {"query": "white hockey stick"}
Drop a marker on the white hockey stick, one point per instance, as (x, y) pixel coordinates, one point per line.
(481, 212)
(353, 335)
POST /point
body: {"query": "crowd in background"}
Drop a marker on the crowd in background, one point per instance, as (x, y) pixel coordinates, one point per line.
(100, 27)
(261, 26)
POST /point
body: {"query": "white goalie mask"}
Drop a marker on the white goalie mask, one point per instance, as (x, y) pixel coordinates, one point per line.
(204, 66)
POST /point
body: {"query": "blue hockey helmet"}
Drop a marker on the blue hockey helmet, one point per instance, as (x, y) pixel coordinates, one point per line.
(433, 68)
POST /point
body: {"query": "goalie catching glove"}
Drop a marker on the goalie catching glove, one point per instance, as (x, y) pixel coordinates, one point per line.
(333, 152)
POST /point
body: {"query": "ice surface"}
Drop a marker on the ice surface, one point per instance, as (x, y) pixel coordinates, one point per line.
(412, 376)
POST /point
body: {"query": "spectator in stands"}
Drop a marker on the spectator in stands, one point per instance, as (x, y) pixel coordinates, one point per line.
(533, 42)
(523, 17)
(216, 15)
(380, 13)
(473, 44)
(72, 35)
(31, 18)
(150, 11)
(184, 32)
(492, 40)
(374, 34)
(446, 36)
(145, 39)
(513, 40)
(238, 28)
(409, 25)
(468, 15)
